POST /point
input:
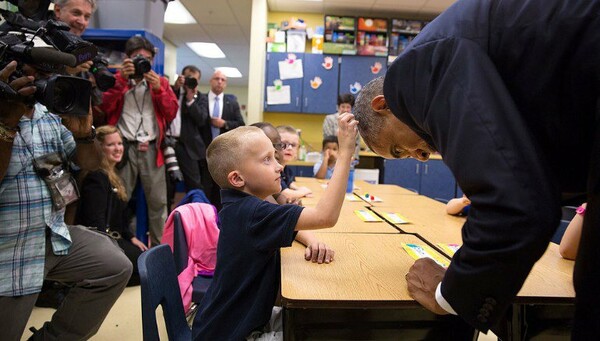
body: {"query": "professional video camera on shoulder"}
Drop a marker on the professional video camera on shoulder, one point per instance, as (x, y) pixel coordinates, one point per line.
(48, 47)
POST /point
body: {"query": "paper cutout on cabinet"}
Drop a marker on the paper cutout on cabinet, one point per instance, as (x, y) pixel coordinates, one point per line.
(327, 63)
(355, 88)
(290, 68)
(278, 93)
(316, 82)
(375, 68)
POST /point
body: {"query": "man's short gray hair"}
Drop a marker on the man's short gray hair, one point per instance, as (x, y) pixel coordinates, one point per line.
(63, 3)
(369, 124)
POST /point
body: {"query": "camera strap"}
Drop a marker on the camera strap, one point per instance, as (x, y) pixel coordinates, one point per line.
(53, 169)
(140, 109)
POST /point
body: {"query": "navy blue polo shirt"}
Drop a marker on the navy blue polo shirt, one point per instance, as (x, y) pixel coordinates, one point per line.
(247, 275)
(287, 177)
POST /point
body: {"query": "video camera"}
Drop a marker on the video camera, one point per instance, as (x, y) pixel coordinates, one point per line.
(47, 46)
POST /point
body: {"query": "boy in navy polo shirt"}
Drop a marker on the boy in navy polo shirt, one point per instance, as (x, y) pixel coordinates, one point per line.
(246, 282)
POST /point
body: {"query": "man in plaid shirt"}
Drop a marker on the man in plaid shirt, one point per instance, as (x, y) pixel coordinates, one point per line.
(35, 242)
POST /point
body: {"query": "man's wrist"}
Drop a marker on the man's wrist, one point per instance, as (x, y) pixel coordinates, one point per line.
(442, 301)
(89, 138)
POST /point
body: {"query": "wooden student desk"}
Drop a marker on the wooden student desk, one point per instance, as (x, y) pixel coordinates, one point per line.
(367, 273)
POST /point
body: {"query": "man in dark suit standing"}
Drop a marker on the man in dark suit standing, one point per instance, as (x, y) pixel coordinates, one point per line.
(225, 115)
(508, 92)
(187, 129)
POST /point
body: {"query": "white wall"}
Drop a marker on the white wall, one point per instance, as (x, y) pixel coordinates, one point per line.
(256, 80)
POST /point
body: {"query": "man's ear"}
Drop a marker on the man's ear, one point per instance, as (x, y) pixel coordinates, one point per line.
(235, 179)
(379, 105)
(57, 10)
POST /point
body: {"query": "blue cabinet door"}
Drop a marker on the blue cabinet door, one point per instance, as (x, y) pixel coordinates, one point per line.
(320, 97)
(356, 71)
(404, 173)
(437, 181)
(295, 84)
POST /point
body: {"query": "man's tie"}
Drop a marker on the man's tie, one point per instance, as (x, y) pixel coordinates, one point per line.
(215, 131)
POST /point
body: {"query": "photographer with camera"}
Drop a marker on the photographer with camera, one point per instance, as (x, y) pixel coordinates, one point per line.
(140, 104)
(35, 242)
(186, 129)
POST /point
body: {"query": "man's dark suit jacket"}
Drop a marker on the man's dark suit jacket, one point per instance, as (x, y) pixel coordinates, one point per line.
(194, 119)
(231, 114)
(508, 92)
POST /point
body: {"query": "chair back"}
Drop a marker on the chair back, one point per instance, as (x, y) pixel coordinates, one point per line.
(159, 287)
(180, 245)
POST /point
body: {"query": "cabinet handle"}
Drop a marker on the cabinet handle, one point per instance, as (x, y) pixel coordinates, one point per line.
(417, 168)
(426, 168)
(306, 101)
(297, 101)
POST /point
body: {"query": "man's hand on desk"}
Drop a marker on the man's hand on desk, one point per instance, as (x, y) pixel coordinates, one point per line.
(422, 280)
(318, 252)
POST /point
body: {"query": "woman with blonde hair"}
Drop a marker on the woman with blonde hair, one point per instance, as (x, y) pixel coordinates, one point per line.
(103, 202)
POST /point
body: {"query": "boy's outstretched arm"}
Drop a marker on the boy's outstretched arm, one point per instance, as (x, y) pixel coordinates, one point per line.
(327, 211)
(316, 251)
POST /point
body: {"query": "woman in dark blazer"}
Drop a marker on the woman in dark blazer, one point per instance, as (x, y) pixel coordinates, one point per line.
(103, 202)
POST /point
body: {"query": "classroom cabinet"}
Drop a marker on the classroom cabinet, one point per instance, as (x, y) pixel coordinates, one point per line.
(320, 84)
(295, 84)
(315, 92)
(432, 178)
(323, 78)
(356, 71)
(304, 171)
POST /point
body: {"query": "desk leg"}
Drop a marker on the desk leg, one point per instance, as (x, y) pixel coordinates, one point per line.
(288, 324)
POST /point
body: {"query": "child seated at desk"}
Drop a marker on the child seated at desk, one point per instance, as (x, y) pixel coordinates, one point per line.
(290, 142)
(324, 168)
(246, 282)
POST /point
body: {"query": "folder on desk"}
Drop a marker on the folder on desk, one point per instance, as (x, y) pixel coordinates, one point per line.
(450, 249)
(395, 218)
(417, 251)
(367, 216)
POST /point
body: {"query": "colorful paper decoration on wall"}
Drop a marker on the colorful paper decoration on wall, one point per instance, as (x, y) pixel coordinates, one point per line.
(355, 88)
(290, 68)
(327, 63)
(278, 93)
(316, 82)
(375, 68)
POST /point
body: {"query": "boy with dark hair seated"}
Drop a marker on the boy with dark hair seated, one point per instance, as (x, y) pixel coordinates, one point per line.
(246, 282)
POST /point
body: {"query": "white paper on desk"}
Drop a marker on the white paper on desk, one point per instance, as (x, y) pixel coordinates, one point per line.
(289, 70)
(281, 96)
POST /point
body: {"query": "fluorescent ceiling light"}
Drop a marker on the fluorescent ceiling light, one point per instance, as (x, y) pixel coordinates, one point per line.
(176, 13)
(230, 72)
(208, 50)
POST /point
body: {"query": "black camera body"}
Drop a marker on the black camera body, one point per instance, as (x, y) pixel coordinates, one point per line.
(190, 82)
(142, 65)
(104, 78)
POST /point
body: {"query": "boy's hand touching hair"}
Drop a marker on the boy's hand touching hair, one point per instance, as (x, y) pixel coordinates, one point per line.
(348, 128)
(319, 253)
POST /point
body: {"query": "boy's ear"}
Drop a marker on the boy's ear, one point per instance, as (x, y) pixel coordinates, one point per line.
(235, 179)
(379, 105)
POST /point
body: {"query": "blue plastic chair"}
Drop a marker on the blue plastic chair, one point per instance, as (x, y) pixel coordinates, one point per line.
(159, 286)
(180, 254)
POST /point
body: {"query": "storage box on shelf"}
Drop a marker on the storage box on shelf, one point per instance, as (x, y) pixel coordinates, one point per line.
(340, 35)
(402, 33)
(372, 39)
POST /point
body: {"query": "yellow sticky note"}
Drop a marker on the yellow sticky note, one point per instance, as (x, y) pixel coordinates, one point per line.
(418, 251)
(367, 216)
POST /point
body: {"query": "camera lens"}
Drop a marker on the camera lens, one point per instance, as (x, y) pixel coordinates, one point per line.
(190, 82)
(142, 65)
(63, 96)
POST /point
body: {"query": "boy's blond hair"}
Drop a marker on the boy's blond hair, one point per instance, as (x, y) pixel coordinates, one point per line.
(227, 151)
(287, 129)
